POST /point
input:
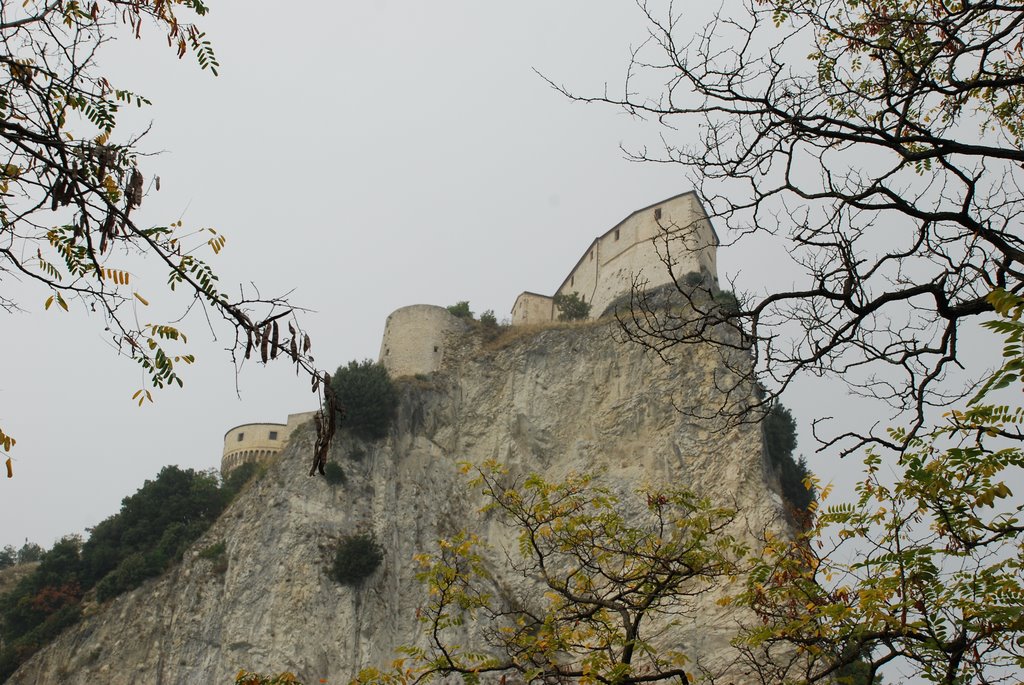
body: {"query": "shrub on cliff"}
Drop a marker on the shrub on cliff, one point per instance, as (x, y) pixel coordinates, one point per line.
(357, 557)
(334, 474)
(461, 310)
(488, 319)
(365, 392)
(572, 307)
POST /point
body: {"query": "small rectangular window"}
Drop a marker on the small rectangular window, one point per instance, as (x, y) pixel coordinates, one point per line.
(241, 436)
(572, 280)
(591, 255)
(616, 234)
(273, 435)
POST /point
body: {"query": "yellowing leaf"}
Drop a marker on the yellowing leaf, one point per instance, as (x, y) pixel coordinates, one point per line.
(141, 299)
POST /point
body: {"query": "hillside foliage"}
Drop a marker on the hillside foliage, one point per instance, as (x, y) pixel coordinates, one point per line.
(780, 445)
(150, 533)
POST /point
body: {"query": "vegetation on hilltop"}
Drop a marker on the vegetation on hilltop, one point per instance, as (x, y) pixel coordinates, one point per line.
(151, 532)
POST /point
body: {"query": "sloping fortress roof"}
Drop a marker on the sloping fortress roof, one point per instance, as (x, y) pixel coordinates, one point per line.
(653, 246)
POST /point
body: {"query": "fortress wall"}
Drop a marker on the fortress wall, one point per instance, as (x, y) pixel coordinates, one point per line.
(251, 442)
(532, 308)
(637, 246)
(584, 277)
(414, 339)
(296, 420)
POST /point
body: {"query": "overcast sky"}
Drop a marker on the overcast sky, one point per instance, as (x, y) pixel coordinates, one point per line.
(364, 156)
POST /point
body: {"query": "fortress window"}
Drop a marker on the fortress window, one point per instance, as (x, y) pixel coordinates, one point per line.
(241, 436)
(616, 234)
(273, 435)
(657, 213)
(572, 280)
(591, 255)
(435, 348)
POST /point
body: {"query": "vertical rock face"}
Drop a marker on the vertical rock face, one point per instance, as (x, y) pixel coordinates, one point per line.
(555, 401)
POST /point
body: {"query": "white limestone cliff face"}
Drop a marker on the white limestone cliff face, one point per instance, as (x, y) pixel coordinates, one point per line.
(556, 401)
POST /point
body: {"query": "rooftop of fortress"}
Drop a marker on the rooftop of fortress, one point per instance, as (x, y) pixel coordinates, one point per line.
(653, 246)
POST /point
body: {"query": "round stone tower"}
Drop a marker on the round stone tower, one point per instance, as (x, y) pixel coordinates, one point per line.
(414, 339)
(258, 442)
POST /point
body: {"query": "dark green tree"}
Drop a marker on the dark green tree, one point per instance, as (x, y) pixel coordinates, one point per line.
(333, 473)
(368, 397)
(489, 319)
(356, 558)
(780, 444)
(30, 551)
(571, 307)
(460, 309)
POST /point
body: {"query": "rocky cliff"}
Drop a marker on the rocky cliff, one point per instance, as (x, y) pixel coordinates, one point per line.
(551, 401)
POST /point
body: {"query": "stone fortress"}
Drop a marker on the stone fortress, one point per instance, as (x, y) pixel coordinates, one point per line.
(652, 245)
(258, 442)
(639, 248)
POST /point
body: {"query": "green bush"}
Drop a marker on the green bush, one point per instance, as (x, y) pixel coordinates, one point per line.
(571, 307)
(241, 475)
(129, 574)
(367, 397)
(29, 552)
(693, 278)
(334, 474)
(727, 301)
(489, 319)
(461, 310)
(357, 557)
(217, 549)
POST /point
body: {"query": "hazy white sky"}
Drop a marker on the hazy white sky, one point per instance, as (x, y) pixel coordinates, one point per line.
(366, 156)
